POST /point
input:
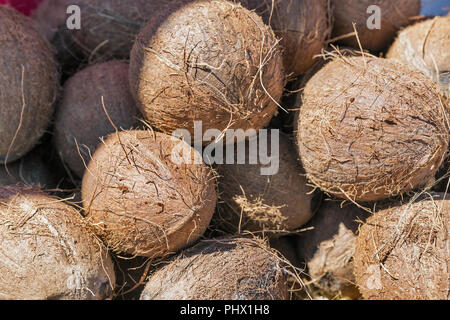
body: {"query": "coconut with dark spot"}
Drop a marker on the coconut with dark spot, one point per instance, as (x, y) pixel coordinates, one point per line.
(28, 85)
(370, 128)
(146, 196)
(221, 269)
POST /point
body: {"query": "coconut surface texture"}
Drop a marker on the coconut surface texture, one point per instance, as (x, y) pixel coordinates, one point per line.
(329, 247)
(81, 119)
(142, 199)
(48, 251)
(402, 252)
(425, 46)
(209, 61)
(221, 269)
(393, 15)
(370, 128)
(28, 85)
(264, 203)
(302, 26)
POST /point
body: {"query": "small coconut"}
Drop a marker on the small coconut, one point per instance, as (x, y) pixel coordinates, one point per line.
(48, 251)
(209, 61)
(272, 202)
(392, 16)
(29, 170)
(95, 102)
(370, 128)
(402, 252)
(328, 249)
(28, 86)
(302, 26)
(220, 269)
(144, 200)
(425, 46)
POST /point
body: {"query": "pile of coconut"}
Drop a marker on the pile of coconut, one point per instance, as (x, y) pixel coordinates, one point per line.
(224, 150)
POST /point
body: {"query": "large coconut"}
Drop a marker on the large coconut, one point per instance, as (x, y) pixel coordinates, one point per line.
(370, 128)
(302, 26)
(425, 46)
(143, 200)
(81, 119)
(48, 251)
(209, 61)
(393, 15)
(327, 249)
(403, 253)
(256, 202)
(222, 269)
(28, 86)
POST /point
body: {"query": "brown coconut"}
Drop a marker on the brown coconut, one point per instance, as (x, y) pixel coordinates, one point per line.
(221, 269)
(370, 128)
(81, 120)
(29, 170)
(28, 86)
(394, 16)
(209, 61)
(251, 201)
(328, 249)
(425, 46)
(48, 251)
(142, 199)
(302, 26)
(402, 252)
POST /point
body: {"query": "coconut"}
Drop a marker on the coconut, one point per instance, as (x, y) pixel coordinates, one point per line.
(302, 26)
(328, 248)
(144, 198)
(370, 128)
(210, 61)
(220, 269)
(81, 119)
(425, 46)
(253, 201)
(402, 252)
(28, 87)
(393, 16)
(48, 251)
(29, 170)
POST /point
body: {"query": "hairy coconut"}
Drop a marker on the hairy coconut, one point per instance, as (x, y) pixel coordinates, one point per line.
(143, 199)
(220, 269)
(370, 128)
(254, 201)
(48, 251)
(392, 16)
(328, 249)
(29, 170)
(81, 119)
(302, 26)
(425, 46)
(210, 61)
(402, 252)
(28, 86)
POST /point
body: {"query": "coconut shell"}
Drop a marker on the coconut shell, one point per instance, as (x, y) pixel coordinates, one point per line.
(209, 61)
(81, 120)
(402, 253)
(48, 251)
(328, 249)
(28, 86)
(141, 201)
(394, 15)
(370, 128)
(222, 269)
(302, 26)
(425, 46)
(265, 203)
